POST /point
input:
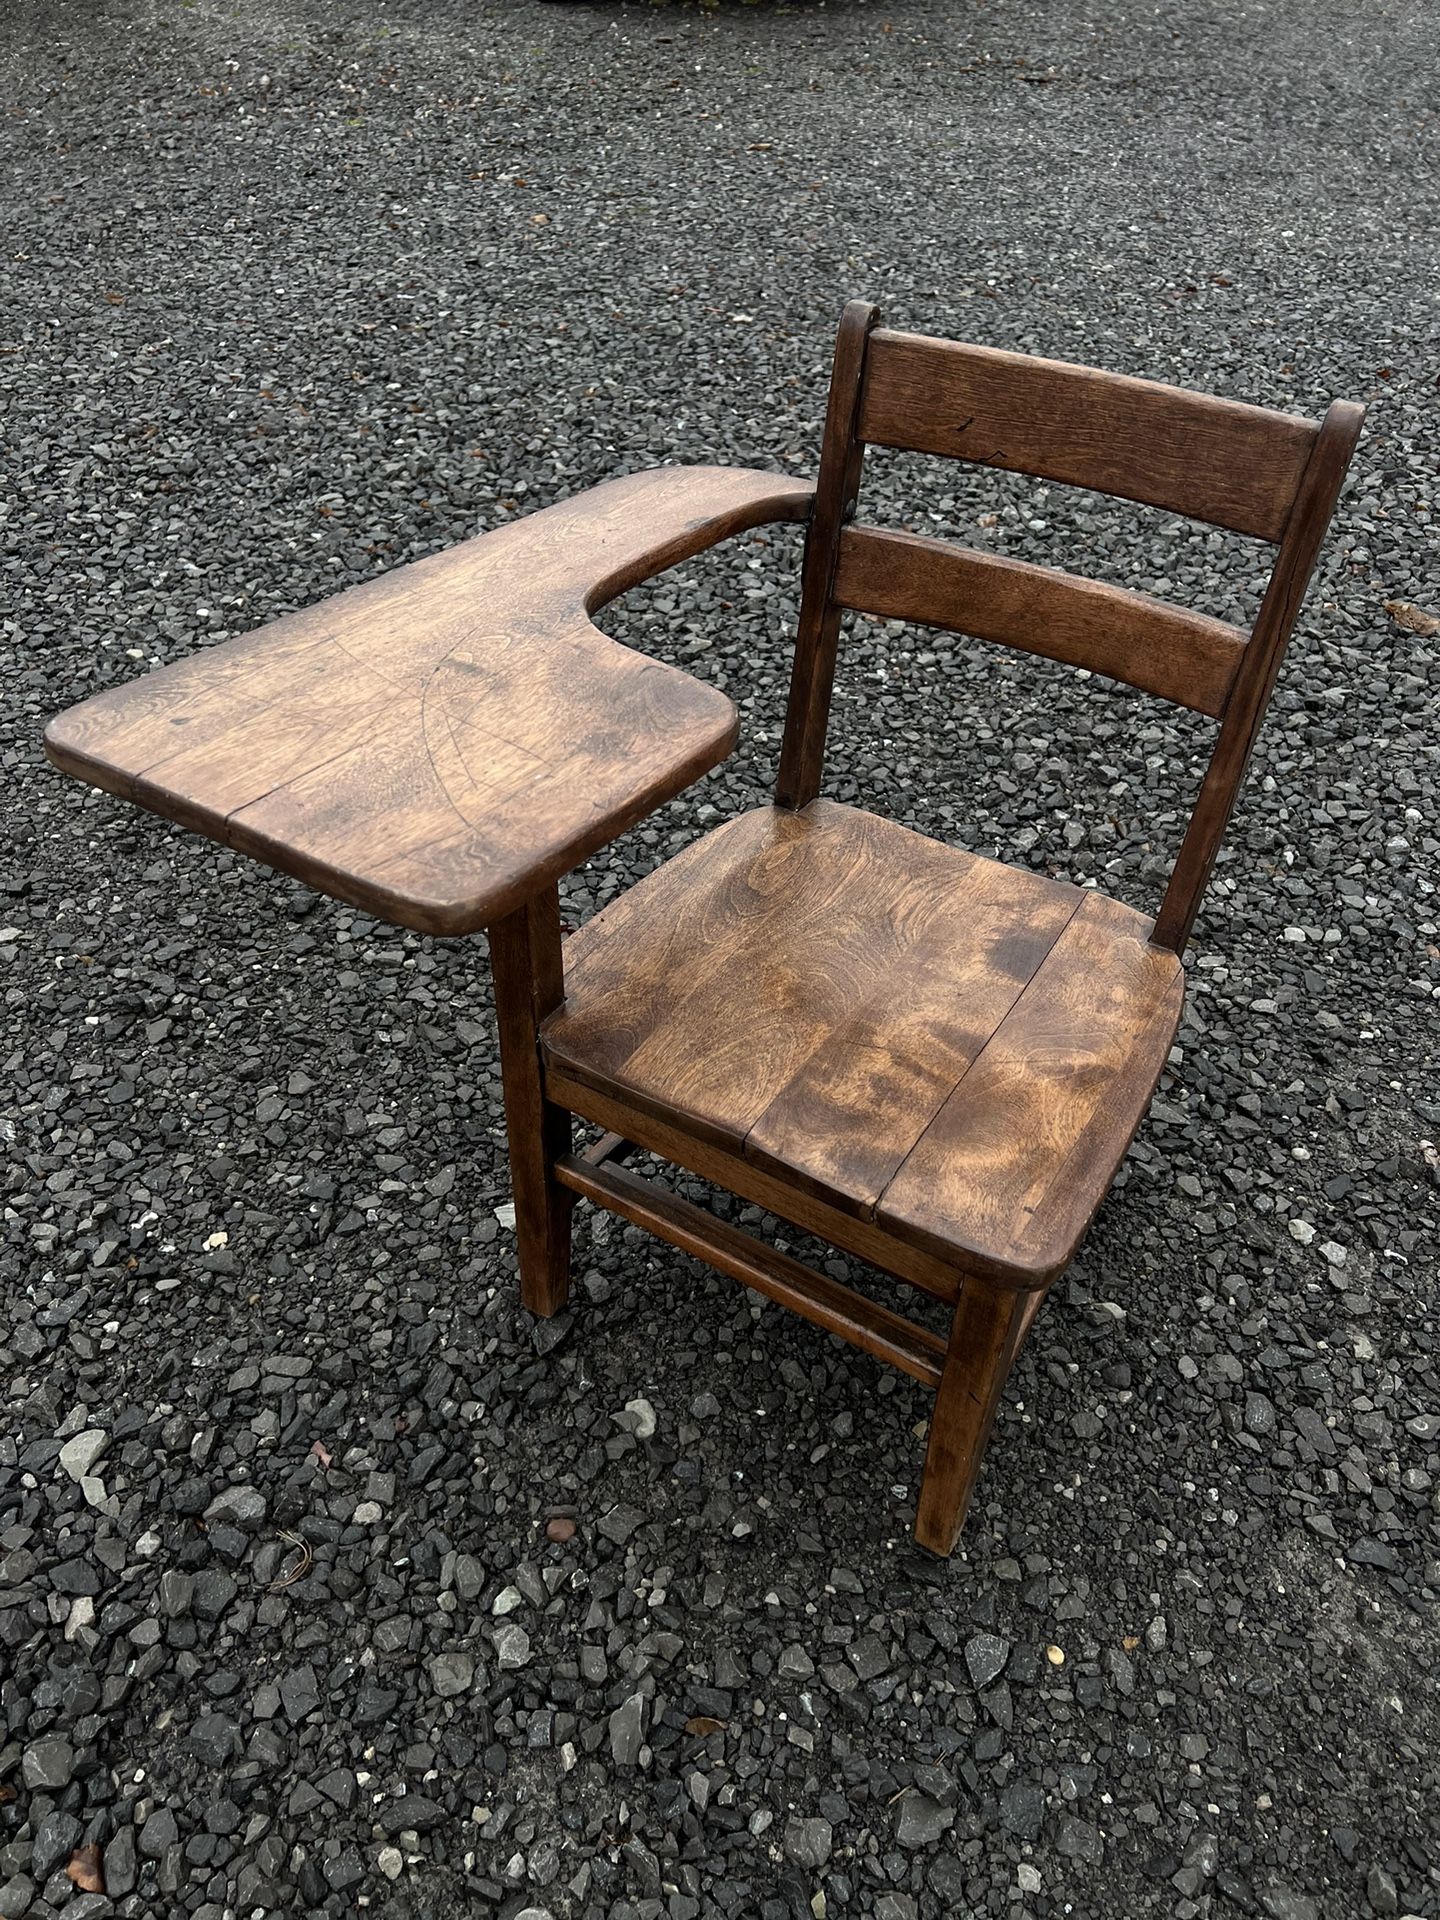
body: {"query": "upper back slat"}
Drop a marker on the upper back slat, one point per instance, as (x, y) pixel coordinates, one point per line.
(1232, 465)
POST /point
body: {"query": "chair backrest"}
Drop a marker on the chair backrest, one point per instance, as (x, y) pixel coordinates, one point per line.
(1268, 475)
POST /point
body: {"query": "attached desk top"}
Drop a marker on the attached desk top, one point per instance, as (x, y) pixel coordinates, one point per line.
(439, 743)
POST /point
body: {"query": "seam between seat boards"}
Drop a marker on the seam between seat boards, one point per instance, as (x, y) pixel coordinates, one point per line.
(965, 1246)
(869, 1210)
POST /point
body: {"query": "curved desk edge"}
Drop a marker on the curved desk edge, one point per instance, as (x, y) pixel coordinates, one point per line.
(439, 743)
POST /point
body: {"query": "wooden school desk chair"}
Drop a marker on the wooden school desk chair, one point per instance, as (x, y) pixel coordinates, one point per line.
(932, 1060)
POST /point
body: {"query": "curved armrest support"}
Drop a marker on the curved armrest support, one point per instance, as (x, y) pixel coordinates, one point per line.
(436, 745)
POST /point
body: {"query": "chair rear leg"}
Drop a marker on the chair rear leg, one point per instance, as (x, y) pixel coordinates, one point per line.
(985, 1336)
(529, 983)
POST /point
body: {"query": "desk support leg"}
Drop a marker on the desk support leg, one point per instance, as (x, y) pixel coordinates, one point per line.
(529, 983)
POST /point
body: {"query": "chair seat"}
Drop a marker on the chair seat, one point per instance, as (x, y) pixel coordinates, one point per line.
(954, 1049)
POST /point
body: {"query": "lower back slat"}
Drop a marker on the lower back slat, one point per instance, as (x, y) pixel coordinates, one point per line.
(1181, 656)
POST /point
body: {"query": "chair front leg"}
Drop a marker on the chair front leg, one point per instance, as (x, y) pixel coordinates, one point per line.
(985, 1335)
(529, 983)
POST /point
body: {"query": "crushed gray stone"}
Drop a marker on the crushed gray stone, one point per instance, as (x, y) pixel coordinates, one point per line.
(295, 294)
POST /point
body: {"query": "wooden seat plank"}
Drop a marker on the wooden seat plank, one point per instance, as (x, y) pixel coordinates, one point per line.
(720, 918)
(1012, 1169)
(441, 742)
(872, 964)
(946, 949)
(820, 991)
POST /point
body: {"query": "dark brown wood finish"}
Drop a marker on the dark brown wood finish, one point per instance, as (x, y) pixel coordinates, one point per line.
(931, 1060)
(985, 1337)
(875, 965)
(1181, 656)
(864, 1323)
(610, 1146)
(438, 744)
(529, 984)
(1215, 460)
(953, 1049)
(796, 1002)
(1010, 1172)
(784, 1198)
(1255, 682)
(812, 678)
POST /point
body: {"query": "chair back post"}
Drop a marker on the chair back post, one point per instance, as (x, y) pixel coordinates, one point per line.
(1254, 681)
(842, 456)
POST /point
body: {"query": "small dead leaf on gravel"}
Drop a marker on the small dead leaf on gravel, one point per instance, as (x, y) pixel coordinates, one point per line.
(296, 1572)
(702, 1724)
(1413, 619)
(85, 1870)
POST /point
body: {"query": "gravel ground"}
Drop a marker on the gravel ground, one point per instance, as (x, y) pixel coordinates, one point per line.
(296, 291)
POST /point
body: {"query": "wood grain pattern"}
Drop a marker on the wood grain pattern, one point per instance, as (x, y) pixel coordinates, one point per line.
(737, 1175)
(881, 1022)
(1180, 656)
(938, 956)
(440, 742)
(804, 987)
(1010, 1172)
(1255, 681)
(1215, 460)
(815, 1296)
